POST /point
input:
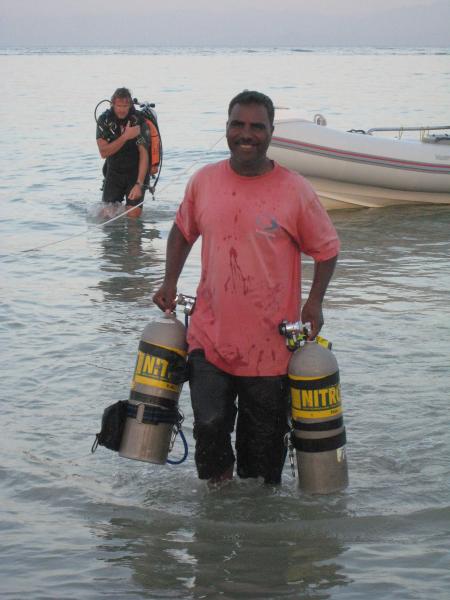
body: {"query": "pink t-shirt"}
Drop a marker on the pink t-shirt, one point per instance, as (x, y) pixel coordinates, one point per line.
(253, 230)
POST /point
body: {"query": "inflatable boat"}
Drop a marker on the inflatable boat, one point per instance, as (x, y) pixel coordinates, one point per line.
(362, 168)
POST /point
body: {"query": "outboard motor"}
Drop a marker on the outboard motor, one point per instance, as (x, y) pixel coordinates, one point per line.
(318, 432)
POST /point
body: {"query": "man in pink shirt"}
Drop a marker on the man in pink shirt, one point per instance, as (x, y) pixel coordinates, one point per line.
(255, 219)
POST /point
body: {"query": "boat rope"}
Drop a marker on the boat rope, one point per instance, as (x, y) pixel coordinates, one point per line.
(119, 216)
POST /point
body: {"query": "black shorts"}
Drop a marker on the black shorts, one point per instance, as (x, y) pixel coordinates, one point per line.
(117, 186)
(261, 405)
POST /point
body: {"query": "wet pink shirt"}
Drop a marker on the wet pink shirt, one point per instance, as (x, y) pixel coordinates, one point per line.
(253, 230)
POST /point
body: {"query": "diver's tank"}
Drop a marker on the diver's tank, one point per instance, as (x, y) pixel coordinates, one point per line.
(157, 381)
(318, 432)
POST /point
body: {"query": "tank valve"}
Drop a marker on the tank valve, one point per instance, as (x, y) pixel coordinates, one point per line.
(188, 302)
(296, 334)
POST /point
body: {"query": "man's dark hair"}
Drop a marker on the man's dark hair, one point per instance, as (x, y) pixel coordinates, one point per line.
(123, 93)
(252, 97)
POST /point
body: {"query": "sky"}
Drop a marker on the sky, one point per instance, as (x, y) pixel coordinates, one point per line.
(243, 23)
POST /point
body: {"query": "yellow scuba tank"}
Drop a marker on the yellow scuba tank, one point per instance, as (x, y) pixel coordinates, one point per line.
(318, 432)
(152, 411)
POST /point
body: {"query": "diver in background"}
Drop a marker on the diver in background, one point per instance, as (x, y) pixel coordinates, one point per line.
(123, 138)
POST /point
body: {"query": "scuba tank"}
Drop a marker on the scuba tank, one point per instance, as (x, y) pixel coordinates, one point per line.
(318, 432)
(153, 419)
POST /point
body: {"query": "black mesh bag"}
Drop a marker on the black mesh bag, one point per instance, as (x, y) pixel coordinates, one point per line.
(113, 423)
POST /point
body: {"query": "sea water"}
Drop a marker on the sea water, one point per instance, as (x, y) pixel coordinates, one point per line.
(76, 295)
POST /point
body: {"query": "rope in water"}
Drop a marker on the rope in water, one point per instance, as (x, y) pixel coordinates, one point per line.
(119, 216)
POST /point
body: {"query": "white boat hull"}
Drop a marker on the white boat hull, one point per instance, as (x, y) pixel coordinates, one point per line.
(350, 169)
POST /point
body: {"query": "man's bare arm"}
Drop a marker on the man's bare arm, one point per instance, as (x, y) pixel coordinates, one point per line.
(176, 254)
(312, 309)
(107, 149)
(136, 190)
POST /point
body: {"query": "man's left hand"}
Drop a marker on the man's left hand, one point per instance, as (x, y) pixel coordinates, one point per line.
(312, 313)
(136, 192)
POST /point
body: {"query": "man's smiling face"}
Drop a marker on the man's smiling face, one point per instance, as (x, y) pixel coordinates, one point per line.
(249, 133)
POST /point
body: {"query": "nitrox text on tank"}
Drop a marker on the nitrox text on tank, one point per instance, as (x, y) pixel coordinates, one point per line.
(318, 433)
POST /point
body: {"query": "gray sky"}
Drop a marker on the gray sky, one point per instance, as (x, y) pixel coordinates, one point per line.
(233, 22)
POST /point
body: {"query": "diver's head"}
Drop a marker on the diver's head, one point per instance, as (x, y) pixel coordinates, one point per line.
(122, 103)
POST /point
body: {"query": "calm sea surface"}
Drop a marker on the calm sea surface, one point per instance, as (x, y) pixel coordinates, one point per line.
(80, 526)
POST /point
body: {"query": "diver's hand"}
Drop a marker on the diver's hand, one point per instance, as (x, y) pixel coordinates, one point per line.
(164, 298)
(131, 131)
(136, 192)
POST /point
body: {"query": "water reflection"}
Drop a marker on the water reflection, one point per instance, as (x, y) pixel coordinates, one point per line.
(230, 550)
(268, 558)
(128, 257)
(392, 255)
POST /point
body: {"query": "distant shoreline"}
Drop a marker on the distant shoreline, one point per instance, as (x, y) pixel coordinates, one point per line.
(6, 50)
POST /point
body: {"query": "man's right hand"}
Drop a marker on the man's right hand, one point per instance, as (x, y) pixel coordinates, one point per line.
(131, 131)
(165, 297)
